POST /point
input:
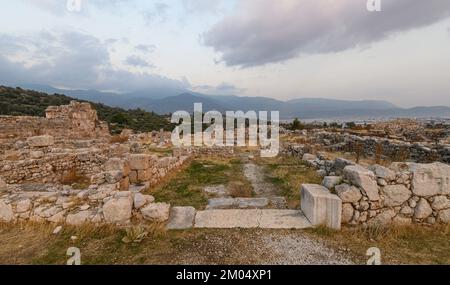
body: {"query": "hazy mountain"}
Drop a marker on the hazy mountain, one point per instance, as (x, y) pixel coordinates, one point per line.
(168, 101)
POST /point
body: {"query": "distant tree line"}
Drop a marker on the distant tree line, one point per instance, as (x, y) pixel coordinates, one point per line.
(21, 102)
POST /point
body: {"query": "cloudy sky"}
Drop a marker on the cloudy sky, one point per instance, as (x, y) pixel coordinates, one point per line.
(282, 49)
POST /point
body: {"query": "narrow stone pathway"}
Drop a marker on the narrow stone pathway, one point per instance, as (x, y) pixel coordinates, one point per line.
(266, 194)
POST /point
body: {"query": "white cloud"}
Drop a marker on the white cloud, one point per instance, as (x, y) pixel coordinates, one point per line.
(266, 31)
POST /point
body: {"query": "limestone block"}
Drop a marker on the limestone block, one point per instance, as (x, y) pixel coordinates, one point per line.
(118, 164)
(430, 179)
(395, 195)
(156, 212)
(320, 206)
(181, 218)
(363, 178)
(118, 210)
(348, 194)
(331, 181)
(41, 141)
(139, 161)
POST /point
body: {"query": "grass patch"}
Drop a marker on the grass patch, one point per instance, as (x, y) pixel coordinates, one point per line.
(35, 244)
(398, 244)
(289, 174)
(186, 187)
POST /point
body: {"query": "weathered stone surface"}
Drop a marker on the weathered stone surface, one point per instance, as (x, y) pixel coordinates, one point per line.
(382, 172)
(383, 218)
(347, 213)
(423, 209)
(348, 194)
(340, 164)
(23, 206)
(144, 175)
(181, 218)
(3, 184)
(139, 161)
(444, 216)
(57, 218)
(283, 219)
(430, 179)
(156, 212)
(113, 176)
(251, 218)
(395, 195)
(308, 156)
(361, 177)
(118, 210)
(37, 154)
(227, 218)
(141, 200)
(78, 219)
(41, 141)
(6, 212)
(221, 203)
(440, 203)
(320, 206)
(116, 163)
(331, 181)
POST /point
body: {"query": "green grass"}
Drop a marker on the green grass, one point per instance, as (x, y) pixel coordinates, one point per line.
(289, 174)
(185, 188)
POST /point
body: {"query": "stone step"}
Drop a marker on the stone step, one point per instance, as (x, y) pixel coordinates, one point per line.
(253, 218)
(246, 203)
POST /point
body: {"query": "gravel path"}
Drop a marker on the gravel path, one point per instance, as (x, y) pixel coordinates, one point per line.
(261, 247)
(294, 249)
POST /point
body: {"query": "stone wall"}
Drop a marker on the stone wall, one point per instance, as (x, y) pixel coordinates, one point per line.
(77, 120)
(216, 151)
(393, 149)
(403, 193)
(50, 165)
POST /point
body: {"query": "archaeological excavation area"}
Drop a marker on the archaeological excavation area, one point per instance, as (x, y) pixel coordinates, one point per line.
(66, 177)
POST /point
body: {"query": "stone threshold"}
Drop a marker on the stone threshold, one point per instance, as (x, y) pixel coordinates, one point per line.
(254, 218)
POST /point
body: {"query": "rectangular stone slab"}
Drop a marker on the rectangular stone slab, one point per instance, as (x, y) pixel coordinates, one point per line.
(283, 219)
(255, 218)
(181, 218)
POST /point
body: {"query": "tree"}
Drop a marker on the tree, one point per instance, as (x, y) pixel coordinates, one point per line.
(297, 125)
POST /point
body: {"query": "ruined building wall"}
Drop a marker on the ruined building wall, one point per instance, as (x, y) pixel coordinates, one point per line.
(77, 120)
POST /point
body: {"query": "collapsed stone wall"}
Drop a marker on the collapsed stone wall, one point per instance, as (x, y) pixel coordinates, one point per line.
(109, 199)
(77, 120)
(371, 146)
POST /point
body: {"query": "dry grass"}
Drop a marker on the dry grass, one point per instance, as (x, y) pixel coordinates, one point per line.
(398, 244)
(118, 139)
(289, 174)
(239, 189)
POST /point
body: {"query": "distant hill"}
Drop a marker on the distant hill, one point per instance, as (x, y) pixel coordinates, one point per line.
(21, 102)
(169, 101)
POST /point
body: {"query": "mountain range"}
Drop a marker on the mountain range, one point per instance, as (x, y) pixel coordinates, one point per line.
(165, 101)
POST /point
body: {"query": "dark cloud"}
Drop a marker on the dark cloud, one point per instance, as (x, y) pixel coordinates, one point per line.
(137, 61)
(72, 60)
(267, 31)
(145, 48)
